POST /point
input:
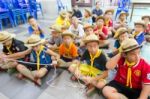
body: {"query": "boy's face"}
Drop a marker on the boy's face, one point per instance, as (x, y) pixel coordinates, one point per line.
(123, 36)
(108, 15)
(133, 56)
(123, 16)
(139, 28)
(100, 22)
(98, 5)
(86, 14)
(55, 34)
(146, 20)
(89, 31)
(74, 20)
(32, 22)
(36, 48)
(7, 43)
(67, 39)
(92, 47)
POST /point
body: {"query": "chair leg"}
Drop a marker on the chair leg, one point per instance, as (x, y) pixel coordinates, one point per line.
(1, 25)
(15, 20)
(11, 21)
(41, 9)
(23, 18)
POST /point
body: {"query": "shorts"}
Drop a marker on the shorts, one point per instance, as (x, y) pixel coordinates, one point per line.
(128, 92)
(66, 59)
(33, 67)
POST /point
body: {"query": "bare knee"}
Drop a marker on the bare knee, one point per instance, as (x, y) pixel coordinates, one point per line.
(108, 92)
(41, 73)
(101, 84)
(20, 67)
(71, 69)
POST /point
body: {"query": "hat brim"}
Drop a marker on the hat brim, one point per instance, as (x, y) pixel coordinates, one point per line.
(112, 11)
(140, 24)
(131, 49)
(118, 34)
(54, 30)
(11, 36)
(71, 35)
(143, 17)
(127, 14)
(35, 44)
(88, 41)
(87, 27)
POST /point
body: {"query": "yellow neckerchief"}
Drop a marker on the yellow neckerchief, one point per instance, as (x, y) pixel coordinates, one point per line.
(100, 28)
(35, 29)
(120, 21)
(8, 48)
(38, 57)
(68, 49)
(129, 73)
(135, 34)
(98, 53)
(107, 22)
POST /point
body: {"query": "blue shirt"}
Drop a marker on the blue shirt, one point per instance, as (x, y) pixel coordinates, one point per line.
(117, 44)
(31, 30)
(145, 51)
(140, 38)
(44, 57)
(97, 12)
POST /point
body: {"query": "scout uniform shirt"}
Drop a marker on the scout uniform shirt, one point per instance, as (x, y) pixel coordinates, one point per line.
(17, 46)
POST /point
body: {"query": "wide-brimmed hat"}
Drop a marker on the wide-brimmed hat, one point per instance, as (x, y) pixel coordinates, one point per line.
(147, 36)
(120, 31)
(63, 14)
(91, 38)
(123, 12)
(88, 11)
(56, 28)
(5, 36)
(140, 23)
(146, 16)
(34, 40)
(129, 45)
(109, 10)
(68, 33)
(100, 17)
(87, 25)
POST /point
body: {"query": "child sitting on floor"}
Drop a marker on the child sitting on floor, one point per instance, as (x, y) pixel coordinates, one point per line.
(39, 60)
(139, 32)
(34, 28)
(91, 68)
(145, 51)
(68, 50)
(55, 40)
(10, 46)
(146, 19)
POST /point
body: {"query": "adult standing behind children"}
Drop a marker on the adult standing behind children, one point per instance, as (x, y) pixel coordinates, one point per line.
(97, 11)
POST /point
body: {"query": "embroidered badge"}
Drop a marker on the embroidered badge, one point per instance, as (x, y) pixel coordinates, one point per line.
(137, 73)
(148, 76)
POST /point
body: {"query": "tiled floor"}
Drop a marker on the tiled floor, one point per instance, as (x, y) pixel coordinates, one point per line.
(17, 89)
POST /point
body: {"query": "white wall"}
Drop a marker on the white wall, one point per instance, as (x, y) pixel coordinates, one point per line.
(50, 7)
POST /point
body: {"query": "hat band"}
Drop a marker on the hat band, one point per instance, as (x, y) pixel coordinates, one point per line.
(131, 47)
(5, 39)
(34, 42)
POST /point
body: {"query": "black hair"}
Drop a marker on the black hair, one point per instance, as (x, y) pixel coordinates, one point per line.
(30, 17)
